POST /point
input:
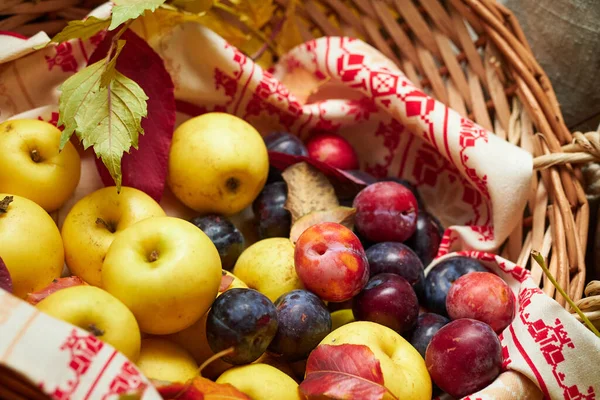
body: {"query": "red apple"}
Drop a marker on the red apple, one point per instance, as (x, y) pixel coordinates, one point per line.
(334, 150)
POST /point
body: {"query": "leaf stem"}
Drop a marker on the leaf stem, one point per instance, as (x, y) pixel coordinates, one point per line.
(540, 260)
(253, 30)
(115, 40)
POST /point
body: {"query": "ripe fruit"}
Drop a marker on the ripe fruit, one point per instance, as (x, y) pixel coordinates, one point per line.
(93, 223)
(98, 312)
(427, 326)
(404, 371)
(389, 300)
(482, 296)
(165, 270)
(334, 150)
(331, 262)
(243, 319)
(386, 212)
(32, 166)
(427, 237)
(407, 185)
(193, 339)
(273, 219)
(463, 357)
(268, 266)
(340, 318)
(440, 277)
(165, 361)
(303, 322)
(228, 240)
(261, 381)
(284, 142)
(398, 259)
(30, 244)
(218, 163)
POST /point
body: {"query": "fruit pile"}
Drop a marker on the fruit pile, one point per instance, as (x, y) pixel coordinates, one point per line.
(322, 294)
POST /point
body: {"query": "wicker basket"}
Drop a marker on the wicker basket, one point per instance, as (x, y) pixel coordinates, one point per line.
(471, 55)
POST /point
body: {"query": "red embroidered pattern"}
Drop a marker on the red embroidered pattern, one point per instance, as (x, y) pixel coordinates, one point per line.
(82, 349)
(273, 97)
(469, 135)
(229, 85)
(362, 109)
(552, 341)
(448, 239)
(428, 166)
(391, 139)
(127, 380)
(63, 58)
(53, 120)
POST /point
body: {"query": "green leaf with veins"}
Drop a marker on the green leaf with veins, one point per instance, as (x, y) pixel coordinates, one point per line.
(110, 71)
(79, 29)
(124, 10)
(107, 118)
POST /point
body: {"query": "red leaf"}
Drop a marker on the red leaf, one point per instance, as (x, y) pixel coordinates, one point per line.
(347, 371)
(56, 285)
(5, 279)
(226, 281)
(345, 184)
(146, 167)
(199, 389)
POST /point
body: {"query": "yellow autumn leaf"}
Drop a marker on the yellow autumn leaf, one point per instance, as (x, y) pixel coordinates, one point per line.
(254, 12)
(289, 36)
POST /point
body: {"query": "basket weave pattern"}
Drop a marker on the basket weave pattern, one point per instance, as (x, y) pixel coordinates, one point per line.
(471, 55)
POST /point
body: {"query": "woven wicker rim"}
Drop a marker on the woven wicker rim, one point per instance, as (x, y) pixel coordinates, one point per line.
(473, 56)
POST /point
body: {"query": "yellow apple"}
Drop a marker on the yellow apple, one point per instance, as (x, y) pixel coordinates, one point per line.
(165, 361)
(165, 270)
(261, 381)
(30, 244)
(404, 370)
(340, 318)
(32, 166)
(281, 365)
(268, 266)
(98, 312)
(93, 222)
(218, 163)
(193, 339)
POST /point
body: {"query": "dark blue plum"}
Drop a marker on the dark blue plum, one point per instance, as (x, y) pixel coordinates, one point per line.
(427, 237)
(303, 322)
(244, 319)
(284, 142)
(397, 258)
(273, 219)
(427, 325)
(440, 278)
(274, 175)
(228, 240)
(407, 185)
(389, 300)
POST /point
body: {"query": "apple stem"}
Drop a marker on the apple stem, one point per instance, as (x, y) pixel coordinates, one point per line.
(214, 358)
(35, 156)
(95, 330)
(4, 203)
(153, 256)
(107, 225)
